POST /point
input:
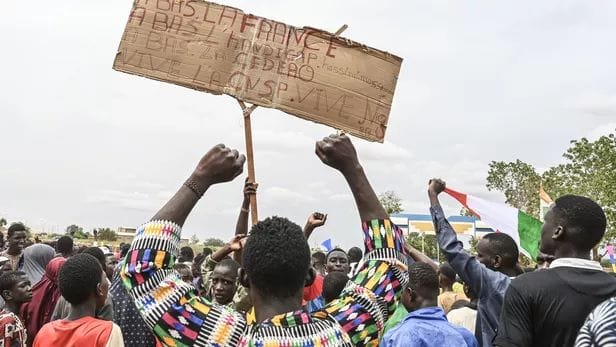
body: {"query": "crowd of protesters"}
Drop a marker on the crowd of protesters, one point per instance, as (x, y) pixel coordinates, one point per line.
(266, 288)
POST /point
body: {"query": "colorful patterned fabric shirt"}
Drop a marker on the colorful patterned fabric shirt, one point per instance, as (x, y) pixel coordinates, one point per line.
(179, 317)
(13, 331)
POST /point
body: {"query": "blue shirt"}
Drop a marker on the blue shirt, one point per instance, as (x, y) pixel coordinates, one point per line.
(428, 327)
(489, 286)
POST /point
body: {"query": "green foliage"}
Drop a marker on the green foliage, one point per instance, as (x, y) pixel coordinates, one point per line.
(3, 222)
(429, 246)
(473, 242)
(76, 232)
(213, 242)
(391, 202)
(519, 182)
(589, 170)
(106, 234)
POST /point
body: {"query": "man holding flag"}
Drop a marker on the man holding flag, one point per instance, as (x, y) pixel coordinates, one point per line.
(488, 275)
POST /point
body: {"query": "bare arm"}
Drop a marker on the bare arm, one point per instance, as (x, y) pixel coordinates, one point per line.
(420, 257)
(241, 227)
(220, 164)
(338, 152)
(314, 221)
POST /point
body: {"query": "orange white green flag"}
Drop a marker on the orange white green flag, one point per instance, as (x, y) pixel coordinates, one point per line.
(523, 228)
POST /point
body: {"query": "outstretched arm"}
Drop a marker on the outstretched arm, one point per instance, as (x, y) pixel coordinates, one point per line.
(366, 303)
(420, 257)
(478, 277)
(163, 299)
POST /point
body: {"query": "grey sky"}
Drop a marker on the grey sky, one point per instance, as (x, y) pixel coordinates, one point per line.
(483, 80)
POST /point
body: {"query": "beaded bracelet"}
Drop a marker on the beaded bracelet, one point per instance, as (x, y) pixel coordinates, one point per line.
(192, 185)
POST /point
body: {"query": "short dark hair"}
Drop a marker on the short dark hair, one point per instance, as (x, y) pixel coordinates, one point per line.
(460, 304)
(187, 253)
(96, 253)
(336, 250)
(124, 250)
(229, 263)
(574, 211)
(447, 271)
(333, 284)
(9, 279)
(64, 245)
(320, 256)
(355, 254)
(79, 278)
(423, 279)
(276, 257)
(503, 245)
(15, 227)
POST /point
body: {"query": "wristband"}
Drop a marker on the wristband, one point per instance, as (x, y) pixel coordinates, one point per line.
(192, 185)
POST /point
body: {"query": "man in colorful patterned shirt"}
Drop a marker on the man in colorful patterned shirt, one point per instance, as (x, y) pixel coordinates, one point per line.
(276, 267)
(15, 290)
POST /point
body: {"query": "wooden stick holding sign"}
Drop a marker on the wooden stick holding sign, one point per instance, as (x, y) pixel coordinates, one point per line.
(254, 214)
(247, 111)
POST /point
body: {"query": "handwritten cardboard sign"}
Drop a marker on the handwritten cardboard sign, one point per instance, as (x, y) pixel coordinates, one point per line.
(305, 72)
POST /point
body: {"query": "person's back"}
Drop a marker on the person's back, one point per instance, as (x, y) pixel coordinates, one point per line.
(83, 283)
(561, 298)
(426, 324)
(548, 307)
(86, 331)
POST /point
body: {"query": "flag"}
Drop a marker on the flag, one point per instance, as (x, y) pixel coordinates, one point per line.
(327, 244)
(544, 203)
(610, 252)
(524, 229)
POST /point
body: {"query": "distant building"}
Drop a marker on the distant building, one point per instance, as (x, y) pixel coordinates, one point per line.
(465, 227)
(127, 235)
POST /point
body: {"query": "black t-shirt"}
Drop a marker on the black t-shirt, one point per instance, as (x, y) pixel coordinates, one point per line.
(548, 307)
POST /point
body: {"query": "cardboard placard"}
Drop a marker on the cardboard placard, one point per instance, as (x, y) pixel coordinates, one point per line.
(305, 72)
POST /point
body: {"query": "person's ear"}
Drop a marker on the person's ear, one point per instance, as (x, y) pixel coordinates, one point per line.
(243, 278)
(7, 295)
(559, 233)
(497, 261)
(99, 289)
(310, 277)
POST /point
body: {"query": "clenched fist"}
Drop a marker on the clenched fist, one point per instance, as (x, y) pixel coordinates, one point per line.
(220, 164)
(338, 152)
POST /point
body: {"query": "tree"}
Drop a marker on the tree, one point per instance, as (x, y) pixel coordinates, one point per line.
(391, 202)
(3, 222)
(589, 170)
(466, 212)
(428, 245)
(76, 232)
(106, 234)
(519, 182)
(213, 242)
(194, 240)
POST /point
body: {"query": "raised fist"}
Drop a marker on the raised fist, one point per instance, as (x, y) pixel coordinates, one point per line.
(436, 186)
(338, 152)
(219, 164)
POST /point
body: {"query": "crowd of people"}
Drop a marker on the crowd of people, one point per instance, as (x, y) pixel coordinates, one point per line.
(266, 288)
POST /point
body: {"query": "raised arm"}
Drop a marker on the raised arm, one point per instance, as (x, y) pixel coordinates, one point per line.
(314, 221)
(241, 227)
(372, 295)
(169, 306)
(419, 257)
(466, 266)
(338, 152)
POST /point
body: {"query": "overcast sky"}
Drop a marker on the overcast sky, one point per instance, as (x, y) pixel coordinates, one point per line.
(482, 80)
